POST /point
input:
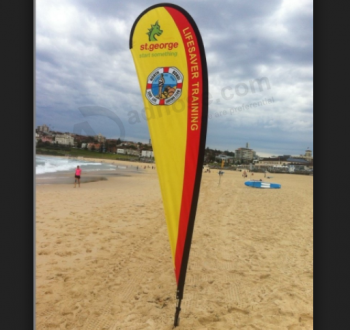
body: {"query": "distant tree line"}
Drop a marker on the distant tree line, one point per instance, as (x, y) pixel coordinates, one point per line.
(209, 156)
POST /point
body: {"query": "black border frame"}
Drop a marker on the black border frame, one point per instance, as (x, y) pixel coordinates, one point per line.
(18, 199)
(331, 221)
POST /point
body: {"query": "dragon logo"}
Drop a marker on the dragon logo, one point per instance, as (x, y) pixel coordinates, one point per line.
(154, 31)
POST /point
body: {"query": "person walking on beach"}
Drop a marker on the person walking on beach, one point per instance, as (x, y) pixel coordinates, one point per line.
(77, 176)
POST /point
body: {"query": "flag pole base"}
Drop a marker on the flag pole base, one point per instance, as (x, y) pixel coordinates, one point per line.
(177, 313)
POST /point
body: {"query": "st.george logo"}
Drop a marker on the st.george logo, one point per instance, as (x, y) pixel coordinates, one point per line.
(154, 31)
(164, 86)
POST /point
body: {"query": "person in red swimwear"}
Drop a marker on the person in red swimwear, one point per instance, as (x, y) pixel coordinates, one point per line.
(77, 176)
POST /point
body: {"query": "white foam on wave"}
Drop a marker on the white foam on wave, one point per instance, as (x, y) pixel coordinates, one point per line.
(47, 164)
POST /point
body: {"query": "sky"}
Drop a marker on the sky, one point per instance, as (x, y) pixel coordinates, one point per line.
(260, 71)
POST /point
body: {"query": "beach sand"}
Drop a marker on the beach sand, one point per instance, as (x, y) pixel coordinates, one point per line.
(103, 257)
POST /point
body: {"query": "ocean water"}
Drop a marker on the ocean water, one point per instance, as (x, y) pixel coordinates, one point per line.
(48, 164)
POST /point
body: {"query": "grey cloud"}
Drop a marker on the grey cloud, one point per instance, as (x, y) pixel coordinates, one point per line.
(88, 62)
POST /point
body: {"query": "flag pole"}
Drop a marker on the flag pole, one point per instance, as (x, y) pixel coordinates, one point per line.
(177, 310)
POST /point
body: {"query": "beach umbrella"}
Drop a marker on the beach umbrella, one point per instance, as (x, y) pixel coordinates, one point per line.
(170, 62)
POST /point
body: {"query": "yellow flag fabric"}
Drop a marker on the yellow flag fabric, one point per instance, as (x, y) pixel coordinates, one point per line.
(170, 63)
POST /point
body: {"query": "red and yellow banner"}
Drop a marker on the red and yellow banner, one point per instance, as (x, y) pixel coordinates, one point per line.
(171, 67)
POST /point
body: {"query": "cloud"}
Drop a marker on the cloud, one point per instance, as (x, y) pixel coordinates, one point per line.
(83, 59)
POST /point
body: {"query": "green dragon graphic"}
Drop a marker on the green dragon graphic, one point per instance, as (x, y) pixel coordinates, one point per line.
(154, 31)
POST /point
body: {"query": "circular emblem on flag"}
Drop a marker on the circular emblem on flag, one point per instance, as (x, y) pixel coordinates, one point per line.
(164, 86)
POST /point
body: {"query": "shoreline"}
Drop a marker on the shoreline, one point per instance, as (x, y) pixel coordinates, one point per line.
(123, 169)
(67, 177)
(93, 176)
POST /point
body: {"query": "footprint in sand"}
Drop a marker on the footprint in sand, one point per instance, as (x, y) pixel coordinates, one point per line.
(63, 253)
(44, 252)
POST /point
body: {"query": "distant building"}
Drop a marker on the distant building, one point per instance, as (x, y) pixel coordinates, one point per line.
(245, 154)
(270, 162)
(44, 128)
(227, 159)
(291, 164)
(128, 152)
(112, 149)
(308, 152)
(307, 155)
(147, 153)
(47, 138)
(94, 146)
(297, 161)
(100, 138)
(132, 152)
(65, 139)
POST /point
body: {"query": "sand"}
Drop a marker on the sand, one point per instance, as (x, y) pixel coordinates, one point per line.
(103, 258)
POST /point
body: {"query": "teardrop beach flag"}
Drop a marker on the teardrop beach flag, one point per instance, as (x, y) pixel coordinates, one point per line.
(169, 57)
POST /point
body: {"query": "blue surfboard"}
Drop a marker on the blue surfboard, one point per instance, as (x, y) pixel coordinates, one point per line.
(260, 184)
